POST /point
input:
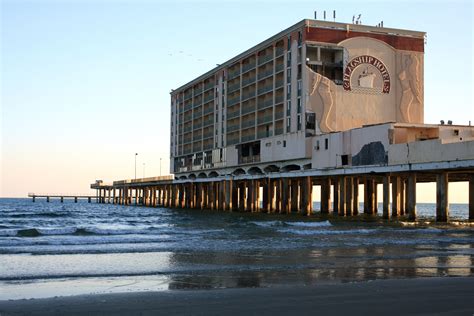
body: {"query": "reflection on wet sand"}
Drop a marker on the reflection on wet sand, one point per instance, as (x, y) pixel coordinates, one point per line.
(311, 267)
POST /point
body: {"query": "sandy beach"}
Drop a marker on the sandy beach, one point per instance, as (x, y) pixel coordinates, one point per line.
(428, 296)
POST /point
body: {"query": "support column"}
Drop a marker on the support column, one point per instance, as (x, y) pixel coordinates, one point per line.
(234, 195)
(326, 195)
(62, 199)
(266, 195)
(335, 207)
(284, 196)
(242, 195)
(386, 196)
(471, 197)
(396, 196)
(349, 195)
(295, 184)
(228, 195)
(342, 196)
(442, 201)
(369, 193)
(307, 196)
(411, 196)
(278, 195)
(355, 196)
(402, 196)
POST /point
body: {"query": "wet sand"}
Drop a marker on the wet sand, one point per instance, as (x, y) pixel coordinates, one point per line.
(448, 296)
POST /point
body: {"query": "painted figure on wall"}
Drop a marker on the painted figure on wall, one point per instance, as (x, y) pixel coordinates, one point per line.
(410, 84)
(321, 86)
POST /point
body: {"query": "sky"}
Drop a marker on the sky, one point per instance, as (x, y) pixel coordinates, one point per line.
(85, 84)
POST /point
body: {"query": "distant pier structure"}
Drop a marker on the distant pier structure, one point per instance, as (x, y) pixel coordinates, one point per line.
(336, 107)
(61, 197)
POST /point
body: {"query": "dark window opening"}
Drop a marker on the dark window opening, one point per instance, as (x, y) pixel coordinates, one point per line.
(345, 160)
(326, 144)
(327, 61)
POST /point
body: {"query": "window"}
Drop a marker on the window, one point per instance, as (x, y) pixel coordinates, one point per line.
(298, 105)
(326, 144)
(345, 160)
(299, 87)
(288, 75)
(310, 121)
(300, 38)
(288, 107)
(288, 125)
(284, 143)
(288, 59)
(299, 123)
(289, 42)
(317, 145)
(288, 91)
(299, 72)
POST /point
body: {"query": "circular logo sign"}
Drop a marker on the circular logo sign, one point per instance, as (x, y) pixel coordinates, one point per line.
(366, 73)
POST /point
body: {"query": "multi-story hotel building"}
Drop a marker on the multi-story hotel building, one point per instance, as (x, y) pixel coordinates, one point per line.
(265, 109)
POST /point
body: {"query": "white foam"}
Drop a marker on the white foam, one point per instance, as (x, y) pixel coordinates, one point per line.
(310, 224)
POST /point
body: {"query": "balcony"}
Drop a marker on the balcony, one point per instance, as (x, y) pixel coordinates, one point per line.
(279, 51)
(265, 104)
(208, 98)
(197, 114)
(208, 135)
(188, 107)
(279, 68)
(231, 115)
(279, 131)
(265, 119)
(233, 128)
(264, 59)
(247, 67)
(233, 87)
(265, 74)
(207, 146)
(197, 137)
(264, 134)
(279, 83)
(208, 86)
(208, 110)
(248, 95)
(246, 82)
(233, 74)
(232, 140)
(197, 125)
(188, 118)
(278, 115)
(248, 124)
(265, 89)
(248, 138)
(232, 101)
(247, 109)
(188, 95)
(209, 121)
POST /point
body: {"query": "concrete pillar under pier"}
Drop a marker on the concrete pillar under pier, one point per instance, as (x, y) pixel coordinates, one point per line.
(326, 195)
(335, 194)
(307, 196)
(471, 197)
(234, 195)
(386, 196)
(278, 195)
(242, 195)
(396, 196)
(349, 195)
(402, 196)
(411, 196)
(265, 195)
(442, 201)
(369, 196)
(342, 196)
(62, 199)
(75, 199)
(355, 196)
(285, 208)
(295, 185)
(89, 199)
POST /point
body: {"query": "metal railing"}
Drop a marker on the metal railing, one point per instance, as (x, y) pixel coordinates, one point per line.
(248, 67)
(248, 109)
(264, 59)
(264, 119)
(265, 104)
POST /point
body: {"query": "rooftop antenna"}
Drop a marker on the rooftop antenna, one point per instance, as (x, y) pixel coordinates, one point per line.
(358, 19)
(324, 15)
(315, 15)
(334, 15)
(381, 23)
(353, 19)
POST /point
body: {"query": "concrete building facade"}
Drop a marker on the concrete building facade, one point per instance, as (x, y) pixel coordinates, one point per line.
(266, 106)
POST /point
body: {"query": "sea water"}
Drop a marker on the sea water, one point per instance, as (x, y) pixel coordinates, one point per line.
(51, 249)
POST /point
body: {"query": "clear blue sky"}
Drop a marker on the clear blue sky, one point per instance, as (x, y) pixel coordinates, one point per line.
(85, 84)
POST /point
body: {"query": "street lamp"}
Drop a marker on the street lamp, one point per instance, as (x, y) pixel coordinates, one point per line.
(136, 166)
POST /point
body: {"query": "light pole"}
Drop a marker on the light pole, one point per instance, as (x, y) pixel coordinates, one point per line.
(143, 170)
(136, 166)
(160, 167)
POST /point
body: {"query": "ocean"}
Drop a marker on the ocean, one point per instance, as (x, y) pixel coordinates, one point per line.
(53, 249)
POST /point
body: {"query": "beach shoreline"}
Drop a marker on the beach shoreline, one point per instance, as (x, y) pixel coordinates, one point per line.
(448, 295)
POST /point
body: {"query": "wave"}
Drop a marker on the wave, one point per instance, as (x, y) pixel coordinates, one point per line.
(76, 231)
(35, 215)
(307, 232)
(289, 223)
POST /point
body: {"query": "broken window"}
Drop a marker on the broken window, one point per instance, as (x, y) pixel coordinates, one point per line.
(326, 61)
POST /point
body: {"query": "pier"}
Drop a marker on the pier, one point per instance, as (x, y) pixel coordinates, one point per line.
(61, 197)
(291, 192)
